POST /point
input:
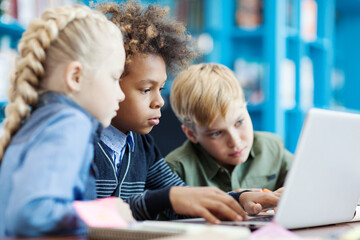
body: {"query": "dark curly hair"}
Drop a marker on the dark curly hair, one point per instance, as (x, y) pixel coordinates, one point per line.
(148, 30)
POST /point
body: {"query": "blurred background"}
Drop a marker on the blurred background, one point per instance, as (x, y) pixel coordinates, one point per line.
(288, 55)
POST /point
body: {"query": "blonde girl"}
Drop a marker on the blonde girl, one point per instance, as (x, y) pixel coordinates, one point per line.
(65, 88)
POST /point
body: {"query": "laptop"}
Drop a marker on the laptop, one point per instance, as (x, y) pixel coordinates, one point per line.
(323, 184)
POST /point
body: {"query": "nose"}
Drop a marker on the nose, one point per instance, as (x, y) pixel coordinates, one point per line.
(120, 95)
(157, 101)
(234, 139)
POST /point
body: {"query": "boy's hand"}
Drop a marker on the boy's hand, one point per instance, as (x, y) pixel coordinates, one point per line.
(280, 190)
(251, 189)
(207, 202)
(255, 202)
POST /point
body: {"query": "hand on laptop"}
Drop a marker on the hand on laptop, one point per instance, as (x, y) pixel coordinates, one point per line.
(255, 202)
(209, 203)
(279, 190)
(251, 189)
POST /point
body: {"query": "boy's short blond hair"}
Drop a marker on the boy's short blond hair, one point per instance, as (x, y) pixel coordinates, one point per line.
(202, 92)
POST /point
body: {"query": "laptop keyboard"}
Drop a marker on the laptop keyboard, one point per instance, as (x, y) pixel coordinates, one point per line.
(261, 219)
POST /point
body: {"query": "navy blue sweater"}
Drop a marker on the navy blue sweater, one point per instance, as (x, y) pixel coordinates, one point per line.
(144, 180)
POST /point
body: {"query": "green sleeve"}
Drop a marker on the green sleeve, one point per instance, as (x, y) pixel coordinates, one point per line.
(175, 166)
(286, 161)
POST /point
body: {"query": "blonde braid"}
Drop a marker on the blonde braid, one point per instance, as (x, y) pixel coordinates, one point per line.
(25, 80)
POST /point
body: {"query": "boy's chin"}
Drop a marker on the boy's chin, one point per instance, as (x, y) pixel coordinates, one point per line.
(145, 130)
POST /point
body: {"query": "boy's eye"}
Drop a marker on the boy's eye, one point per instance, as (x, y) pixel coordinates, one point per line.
(238, 123)
(215, 134)
(161, 89)
(146, 90)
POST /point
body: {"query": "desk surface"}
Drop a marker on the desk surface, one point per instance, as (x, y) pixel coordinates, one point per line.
(324, 231)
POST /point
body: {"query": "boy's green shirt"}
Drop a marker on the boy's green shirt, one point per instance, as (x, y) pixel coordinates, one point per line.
(266, 166)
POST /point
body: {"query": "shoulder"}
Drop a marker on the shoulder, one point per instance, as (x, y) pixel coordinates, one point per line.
(70, 120)
(183, 154)
(267, 138)
(270, 145)
(61, 113)
(57, 120)
(144, 141)
(145, 149)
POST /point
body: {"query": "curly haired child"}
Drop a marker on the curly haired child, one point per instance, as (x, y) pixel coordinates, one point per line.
(130, 164)
(64, 89)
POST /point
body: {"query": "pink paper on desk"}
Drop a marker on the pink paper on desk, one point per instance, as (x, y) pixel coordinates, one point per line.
(100, 213)
(271, 231)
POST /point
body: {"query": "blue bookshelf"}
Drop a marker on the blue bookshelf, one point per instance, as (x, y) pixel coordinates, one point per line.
(270, 43)
(278, 38)
(238, 33)
(13, 30)
(347, 52)
(2, 110)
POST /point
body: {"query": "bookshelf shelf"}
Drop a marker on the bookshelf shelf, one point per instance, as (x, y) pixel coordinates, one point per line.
(292, 32)
(2, 110)
(240, 33)
(255, 108)
(12, 29)
(320, 43)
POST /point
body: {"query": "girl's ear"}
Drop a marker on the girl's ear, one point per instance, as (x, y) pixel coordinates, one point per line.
(73, 76)
(189, 134)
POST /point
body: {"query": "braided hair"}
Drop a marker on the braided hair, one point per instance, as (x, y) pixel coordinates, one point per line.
(59, 36)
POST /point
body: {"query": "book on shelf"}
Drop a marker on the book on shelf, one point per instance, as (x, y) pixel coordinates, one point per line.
(337, 88)
(287, 84)
(26, 10)
(8, 8)
(308, 26)
(250, 75)
(290, 14)
(249, 13)
(190, 12)
(7, 63)
(306, 83)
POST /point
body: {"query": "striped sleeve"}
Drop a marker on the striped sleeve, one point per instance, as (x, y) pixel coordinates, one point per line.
(155, 199)
(160, 176)
(138, 207)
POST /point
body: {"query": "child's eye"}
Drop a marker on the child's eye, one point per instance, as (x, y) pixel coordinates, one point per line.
(238, 123)
(161, 89)
(145, 90)
(215, 134)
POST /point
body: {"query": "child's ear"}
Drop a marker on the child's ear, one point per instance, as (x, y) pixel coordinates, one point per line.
(189, 134)
(73, 76)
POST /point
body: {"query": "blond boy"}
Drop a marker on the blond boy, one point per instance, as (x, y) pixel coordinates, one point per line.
(222, 149)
